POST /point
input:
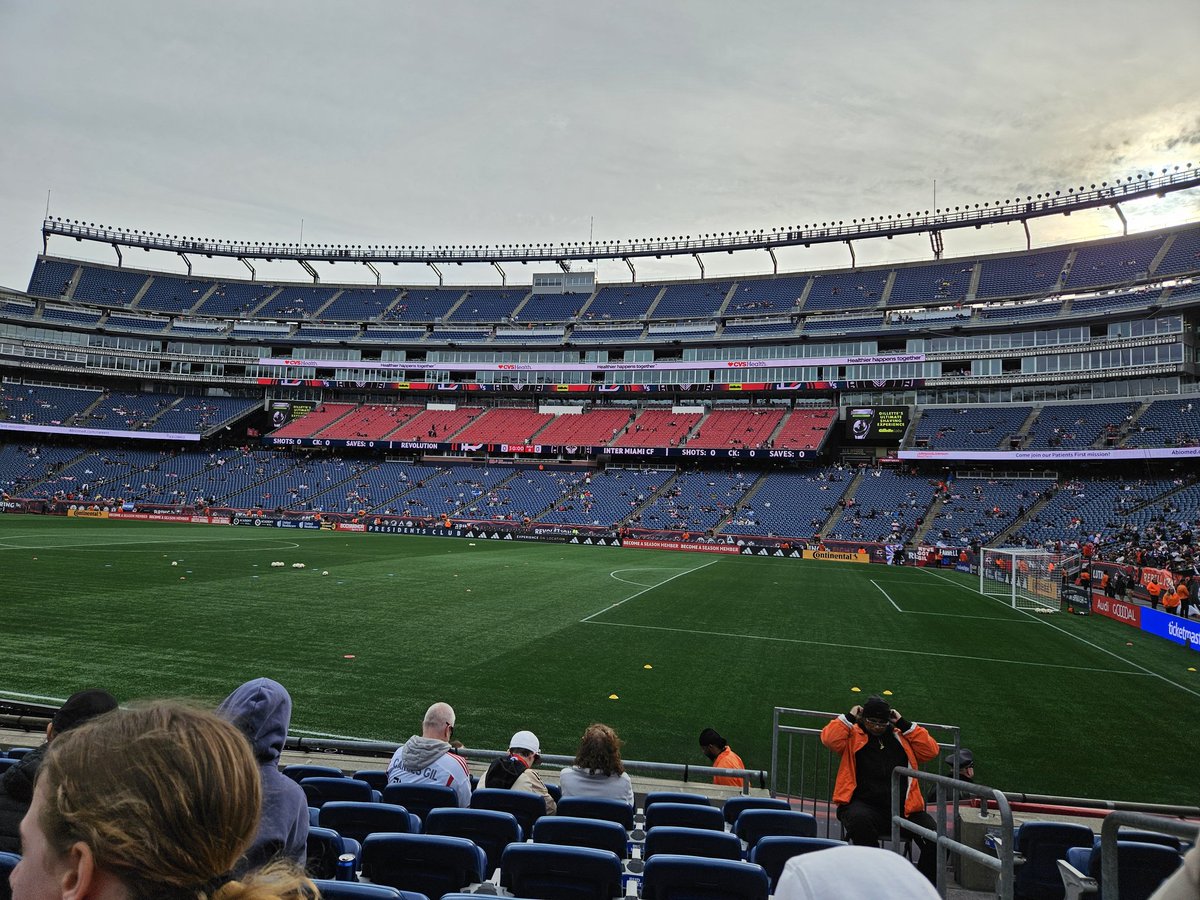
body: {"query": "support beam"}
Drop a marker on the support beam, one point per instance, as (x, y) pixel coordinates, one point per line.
(120, 259)
(187, 262)
(374, 271)
(774, 262)
(853, 259)
(503, 277)
(244, 262)
(699, 262)
(310, 270)
(564, 265)
(632, 271)
(935, 241)
(437, 270)
(1028, 239)
(1121, 215)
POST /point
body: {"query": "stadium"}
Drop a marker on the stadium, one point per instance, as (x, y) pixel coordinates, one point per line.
(581, 484)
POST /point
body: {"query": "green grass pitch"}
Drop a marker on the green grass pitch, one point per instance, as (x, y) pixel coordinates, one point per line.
(540, 635)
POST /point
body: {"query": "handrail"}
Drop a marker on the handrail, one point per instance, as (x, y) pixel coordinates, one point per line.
(1109, 835)
(1004, 864)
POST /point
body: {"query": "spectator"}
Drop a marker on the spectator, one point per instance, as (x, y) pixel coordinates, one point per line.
(717, 749)
(598, 771)
(160, 801)
(515, 771)
(16, 785)
(427, 758)
(851, 873)
(873, 740)
(262, 710)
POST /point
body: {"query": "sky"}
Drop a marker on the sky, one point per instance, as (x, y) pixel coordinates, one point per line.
(499, 121)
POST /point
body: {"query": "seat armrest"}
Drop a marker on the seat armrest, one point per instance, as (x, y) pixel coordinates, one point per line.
(1076, 884)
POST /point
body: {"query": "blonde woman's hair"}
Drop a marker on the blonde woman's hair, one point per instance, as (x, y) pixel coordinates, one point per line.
(167, 798)
(600, 750)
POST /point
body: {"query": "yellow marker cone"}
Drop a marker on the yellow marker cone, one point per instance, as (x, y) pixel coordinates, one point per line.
(887, 693)
(647, 666)
(856, 690)
(1191, 668)
(613, 697)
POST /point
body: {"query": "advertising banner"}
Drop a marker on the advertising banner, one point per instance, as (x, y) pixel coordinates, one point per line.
(1122, 611)
(1173, 628)
(639, 544)
(850, 556)
(76, 513)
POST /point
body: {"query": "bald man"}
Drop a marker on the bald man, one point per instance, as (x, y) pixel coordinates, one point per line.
(427, 758)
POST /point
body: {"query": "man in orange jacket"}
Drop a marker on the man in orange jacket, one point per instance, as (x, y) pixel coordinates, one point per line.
(873, 740)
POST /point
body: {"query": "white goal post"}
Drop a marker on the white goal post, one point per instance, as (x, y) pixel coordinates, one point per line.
(1026, 579)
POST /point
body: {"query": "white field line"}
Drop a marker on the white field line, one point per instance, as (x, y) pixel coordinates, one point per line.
(84, 548)
(915, 612)
(615, 574)
(783, 640)
(1042, 620)
(647, 590)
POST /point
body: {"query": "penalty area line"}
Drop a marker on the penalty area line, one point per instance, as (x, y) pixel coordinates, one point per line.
(647, 590)
(1082, 640)
(783, 640)
(917, 612)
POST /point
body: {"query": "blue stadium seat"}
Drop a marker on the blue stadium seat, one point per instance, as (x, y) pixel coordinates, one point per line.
(671, 877)
(674, 797)
(735, 806)
(754, 824)
(692, 842)
(773, 852)
(6, 764)
(563, 873)
(324, 847)
(687, 815)
(1041, 845)
(301, 771)
(597, 808)
(490, 829)
(356, 819)
(420, 798)
(432, 864)
(1141, 868)
(320, 791)
(526, 806)
(354, 890)
(376, 778)
(8, 862)
(569, 831)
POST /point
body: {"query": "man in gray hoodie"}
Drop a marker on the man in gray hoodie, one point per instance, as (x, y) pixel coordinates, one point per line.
(262, 710)
(427, 758)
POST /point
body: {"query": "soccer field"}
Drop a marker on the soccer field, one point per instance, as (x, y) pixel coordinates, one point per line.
(540, 635)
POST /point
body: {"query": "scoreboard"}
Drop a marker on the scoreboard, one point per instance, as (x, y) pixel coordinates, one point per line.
(884, 424)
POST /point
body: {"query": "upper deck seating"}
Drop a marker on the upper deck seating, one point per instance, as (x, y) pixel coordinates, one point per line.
(1077, 424)
(108, 287)
(969, 428)
(805, 428)
(832, 292)
(552, 307)
(594, 428)
(197, 415)
(423, 305)
(485, 305)
(37, 405)
(736, 428)
(621, 302)
(1167, 423)
(1114, 302)
(766, 296)
(51, 277)
(658, 428)
(120, 411)
(1119, 262)
(234, 298)
(169, 294)
(297, 302)
(360, 304)
(692, 301)
(370, 422)
(434, 425)
(937, 281)
(1029, 274)
(1183, 256)
(505, 426)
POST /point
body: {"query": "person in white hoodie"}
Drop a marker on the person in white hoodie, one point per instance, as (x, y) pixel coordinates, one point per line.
(427, 758)
(852, 873)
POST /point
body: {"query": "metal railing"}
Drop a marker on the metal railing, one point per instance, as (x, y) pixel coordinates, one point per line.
(1109, 835)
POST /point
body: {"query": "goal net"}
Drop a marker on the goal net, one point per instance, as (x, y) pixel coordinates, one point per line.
(1026, 579)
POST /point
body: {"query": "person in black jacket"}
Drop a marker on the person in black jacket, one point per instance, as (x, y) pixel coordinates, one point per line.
(16, 785)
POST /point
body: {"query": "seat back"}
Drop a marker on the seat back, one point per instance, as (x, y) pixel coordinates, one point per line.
(6, 763)
(525, 805)
(564, 873)
(758, 823)
(1042, 844)
(432, 864)
(490, 830)
(773, 852)
(569, 831)
(1150, 837)
(376, 778)
(324, 847)
(355, 890)
(355, 819)
(671, 877)
(686, 815)
(597, 808)
(320, 790)
(299, 772)
(1141, 868)
(692, 842)
(735, 806)
(419, 799)
(674, 797)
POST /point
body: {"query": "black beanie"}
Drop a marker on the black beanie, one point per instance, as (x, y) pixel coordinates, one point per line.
(80, 707)
(710, 736)
(877, 708)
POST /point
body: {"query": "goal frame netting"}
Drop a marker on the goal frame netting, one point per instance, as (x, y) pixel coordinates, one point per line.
(1024, 578)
